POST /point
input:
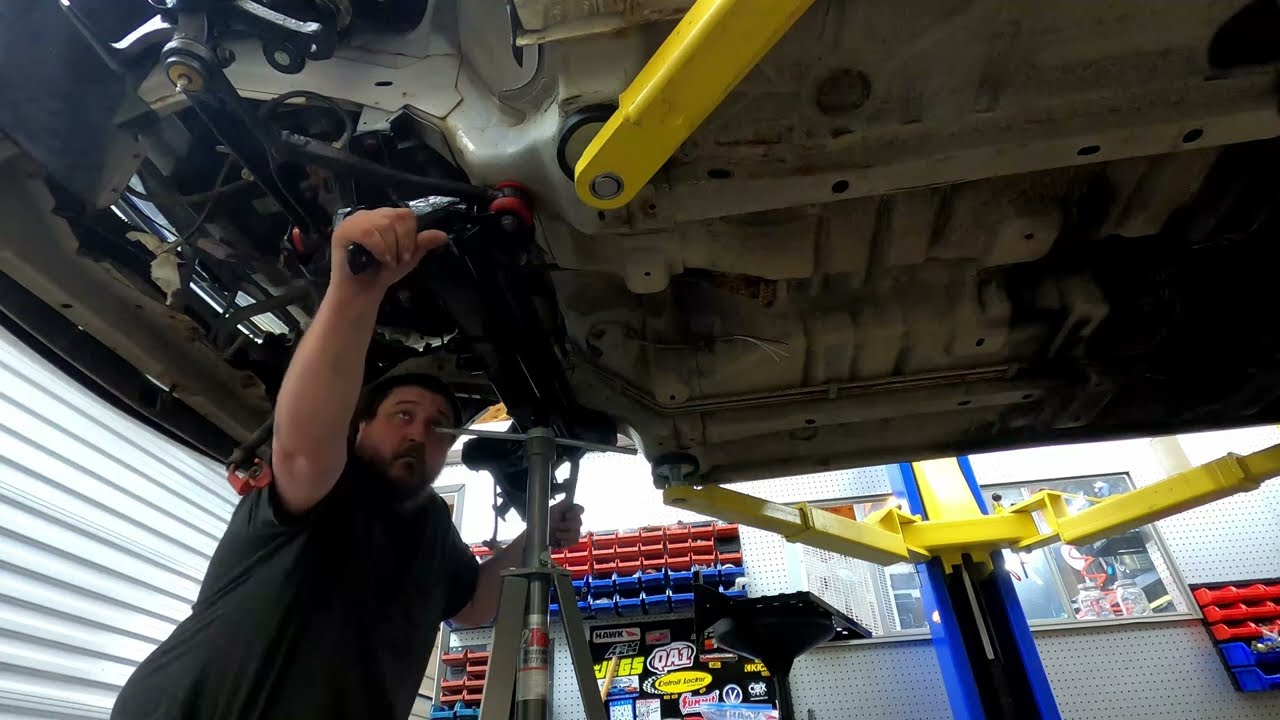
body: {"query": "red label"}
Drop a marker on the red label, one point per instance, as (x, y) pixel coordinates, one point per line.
(691, 703)
(536, 638)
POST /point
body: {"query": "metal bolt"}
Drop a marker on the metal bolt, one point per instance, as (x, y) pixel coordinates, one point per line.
(282, 57)
(183, 82)
(226, 56)
(606, 186)
(246, 175)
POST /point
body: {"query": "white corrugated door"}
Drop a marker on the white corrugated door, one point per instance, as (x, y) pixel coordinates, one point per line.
(106, 529)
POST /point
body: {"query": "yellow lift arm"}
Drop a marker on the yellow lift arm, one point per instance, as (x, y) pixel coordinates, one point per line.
(709, 52)
(958, 526)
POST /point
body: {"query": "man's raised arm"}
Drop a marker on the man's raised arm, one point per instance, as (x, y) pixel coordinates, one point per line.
(322, 385)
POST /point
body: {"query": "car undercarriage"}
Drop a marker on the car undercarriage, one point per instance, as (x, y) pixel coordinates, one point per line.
(914, 229)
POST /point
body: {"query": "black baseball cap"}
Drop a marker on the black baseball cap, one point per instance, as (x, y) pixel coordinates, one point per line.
(406, 373)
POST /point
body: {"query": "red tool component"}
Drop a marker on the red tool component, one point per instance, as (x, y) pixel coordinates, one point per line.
(514, 200)
(257, 475)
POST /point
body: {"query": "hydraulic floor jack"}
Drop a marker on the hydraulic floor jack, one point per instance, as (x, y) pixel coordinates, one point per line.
(520, 656)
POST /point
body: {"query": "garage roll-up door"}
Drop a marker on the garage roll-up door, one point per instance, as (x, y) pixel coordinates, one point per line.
(106, 529)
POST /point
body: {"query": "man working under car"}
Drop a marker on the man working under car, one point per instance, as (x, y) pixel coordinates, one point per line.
(324, 596)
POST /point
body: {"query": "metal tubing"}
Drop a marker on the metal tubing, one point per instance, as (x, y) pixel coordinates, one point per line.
(533, 676)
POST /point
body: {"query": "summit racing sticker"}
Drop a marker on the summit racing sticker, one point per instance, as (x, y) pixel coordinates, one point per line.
(690, 703)
(615, 635)
(676, 656)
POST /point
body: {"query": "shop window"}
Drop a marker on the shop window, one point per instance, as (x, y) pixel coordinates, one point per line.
(1128, 573)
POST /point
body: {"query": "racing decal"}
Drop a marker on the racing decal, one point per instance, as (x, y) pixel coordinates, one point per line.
(665, 677)
(682, 681)
(623, 649)
(690, 703)
(657, 637)
(732, 694)
(675, 656)
(615, 635)
(626, 666)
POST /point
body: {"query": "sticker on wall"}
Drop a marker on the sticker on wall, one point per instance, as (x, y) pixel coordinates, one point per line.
(657, 637)
(690, 703)
(615, 635)
(676, 656)
(623, 649)
(649, 709)
(682, 681)
(758, 690)
(732, 694)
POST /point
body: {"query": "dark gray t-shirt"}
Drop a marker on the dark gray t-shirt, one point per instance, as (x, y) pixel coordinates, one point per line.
(330, 615)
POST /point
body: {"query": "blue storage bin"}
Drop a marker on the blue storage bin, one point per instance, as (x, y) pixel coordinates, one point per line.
(729, 574)
(1254, 680)
(1238, 654)
(439, 712)
(653, 581)
(681, 580)
(711, 577)
(628, 587)
(681, 601)
(736, 593)
(462, 712)
(630, 606)
(657, 603)
(603, 607)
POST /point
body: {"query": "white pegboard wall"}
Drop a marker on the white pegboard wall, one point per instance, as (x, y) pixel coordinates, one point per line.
(882, 681)
(1168, 671)
(769, 563)
(834, 485)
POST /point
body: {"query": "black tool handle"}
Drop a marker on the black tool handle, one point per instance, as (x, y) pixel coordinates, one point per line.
(360, 260)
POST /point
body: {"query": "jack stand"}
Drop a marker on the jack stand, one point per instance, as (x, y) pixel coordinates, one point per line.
(520, 657)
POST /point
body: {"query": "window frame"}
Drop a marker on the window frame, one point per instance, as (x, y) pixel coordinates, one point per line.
(1175, 577)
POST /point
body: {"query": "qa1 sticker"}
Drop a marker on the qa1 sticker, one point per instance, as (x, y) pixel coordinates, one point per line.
(732, 694)
(675, 656)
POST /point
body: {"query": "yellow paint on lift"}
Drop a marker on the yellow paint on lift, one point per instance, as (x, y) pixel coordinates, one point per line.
(705, 57)
(958, 525)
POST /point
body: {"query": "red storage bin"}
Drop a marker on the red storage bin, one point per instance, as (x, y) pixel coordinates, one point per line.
(652, 550)
(732, 558)
(1243, 631)
(704, 560)
(604, 539)
(457, 659)
(604, 569)
(677, 548)
(698, 547)
(478, 656)
(628, 552)
(628, 537)
(577, 571)
(1231, 594)
(679, 563)
(452, 686)
(657, 564)
(577, 557)
(450, 698)
(584, 543)
(651, 535)
(604, 555)
(702, 532)
(478, 670)
(476, 685)
(626, 568)
(473, 697)
(677, 533)
(727, 530)
(1235, 613)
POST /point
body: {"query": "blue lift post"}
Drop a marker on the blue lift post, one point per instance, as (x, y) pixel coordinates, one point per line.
(988, 659)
